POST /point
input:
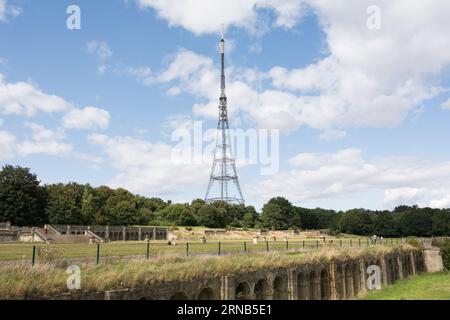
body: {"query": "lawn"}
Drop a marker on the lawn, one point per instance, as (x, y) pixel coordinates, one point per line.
(23, 251)
(427, 286)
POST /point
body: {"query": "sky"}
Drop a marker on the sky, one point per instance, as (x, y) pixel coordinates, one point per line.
(354, 98)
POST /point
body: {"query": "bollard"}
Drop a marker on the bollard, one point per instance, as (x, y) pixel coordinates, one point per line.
(33, 256)
(148, 250)
(98, 253)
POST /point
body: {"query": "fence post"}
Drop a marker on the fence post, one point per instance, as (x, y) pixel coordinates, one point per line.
(219, 249)
(98, 253)
(287, 245)
(245, 247)
(303, 244)
(351, 243)
(340, 242)
(148, 249)
(267, 246)
(187, 249)
(33, 256)
(367, 241)
(317, 244)
(359, 240)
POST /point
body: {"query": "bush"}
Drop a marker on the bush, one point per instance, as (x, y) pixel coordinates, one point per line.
(188, 228)
(444, 245)
(413, 241)
(49, 254)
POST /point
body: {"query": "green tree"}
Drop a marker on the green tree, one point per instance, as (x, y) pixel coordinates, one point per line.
(64, 203)
(356, 221)
(93, 208)
(121, 208)
(212, 217)
(249, 218)
(22, 199)
(385, 225)
(415, 222)
(177, 215)
(279, 214)
(441, 223)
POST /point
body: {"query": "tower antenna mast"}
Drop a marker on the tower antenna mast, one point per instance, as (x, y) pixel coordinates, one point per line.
(224, 182)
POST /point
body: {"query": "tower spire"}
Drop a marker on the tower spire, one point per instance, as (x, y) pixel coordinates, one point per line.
(224, 173)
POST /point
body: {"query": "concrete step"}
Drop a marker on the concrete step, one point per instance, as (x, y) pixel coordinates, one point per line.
(63, 238)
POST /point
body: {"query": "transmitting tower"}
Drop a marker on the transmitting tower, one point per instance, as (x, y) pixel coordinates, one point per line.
(224, 182)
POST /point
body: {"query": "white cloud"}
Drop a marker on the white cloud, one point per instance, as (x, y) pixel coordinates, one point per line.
(7, 145)
(200, 16)
(370, 78)
(147, 168)
(331, 135)
(23, 98)
(44, 141)
(403, 196)
(141, 74)
(100, 48)
(446, 105)
(346, 173)
(8, 11)
(86, 118)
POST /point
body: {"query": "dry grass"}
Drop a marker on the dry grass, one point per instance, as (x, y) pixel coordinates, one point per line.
(25, 282)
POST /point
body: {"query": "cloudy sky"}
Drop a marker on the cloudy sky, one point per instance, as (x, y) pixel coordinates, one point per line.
(362, 105)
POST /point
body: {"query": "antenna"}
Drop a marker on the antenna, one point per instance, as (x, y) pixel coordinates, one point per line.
(224, 182)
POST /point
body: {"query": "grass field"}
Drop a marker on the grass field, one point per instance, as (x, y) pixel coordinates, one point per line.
(428, 286)
(23, 251)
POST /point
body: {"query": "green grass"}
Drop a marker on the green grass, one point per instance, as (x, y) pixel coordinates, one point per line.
(427, 286)
(22, 251)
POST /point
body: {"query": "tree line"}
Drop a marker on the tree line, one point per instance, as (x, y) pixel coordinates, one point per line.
(24, 201)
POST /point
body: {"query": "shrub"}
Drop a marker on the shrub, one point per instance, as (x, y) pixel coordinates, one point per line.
(444, 244)
(48, 254)
(413, 241)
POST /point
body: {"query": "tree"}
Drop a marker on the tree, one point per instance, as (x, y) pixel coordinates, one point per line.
(212, 217)
(385, 225)
(22, 199)
(249, 218)
(177, 215)
(93, 208)
(121, 208)
(415, 222)
(279, 214)
(64, 203)
(441, 223)
(356, 221)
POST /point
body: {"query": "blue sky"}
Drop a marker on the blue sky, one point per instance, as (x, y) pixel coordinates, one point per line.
(362, 113)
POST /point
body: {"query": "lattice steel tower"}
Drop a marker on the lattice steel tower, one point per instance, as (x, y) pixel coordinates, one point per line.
(224, 181)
